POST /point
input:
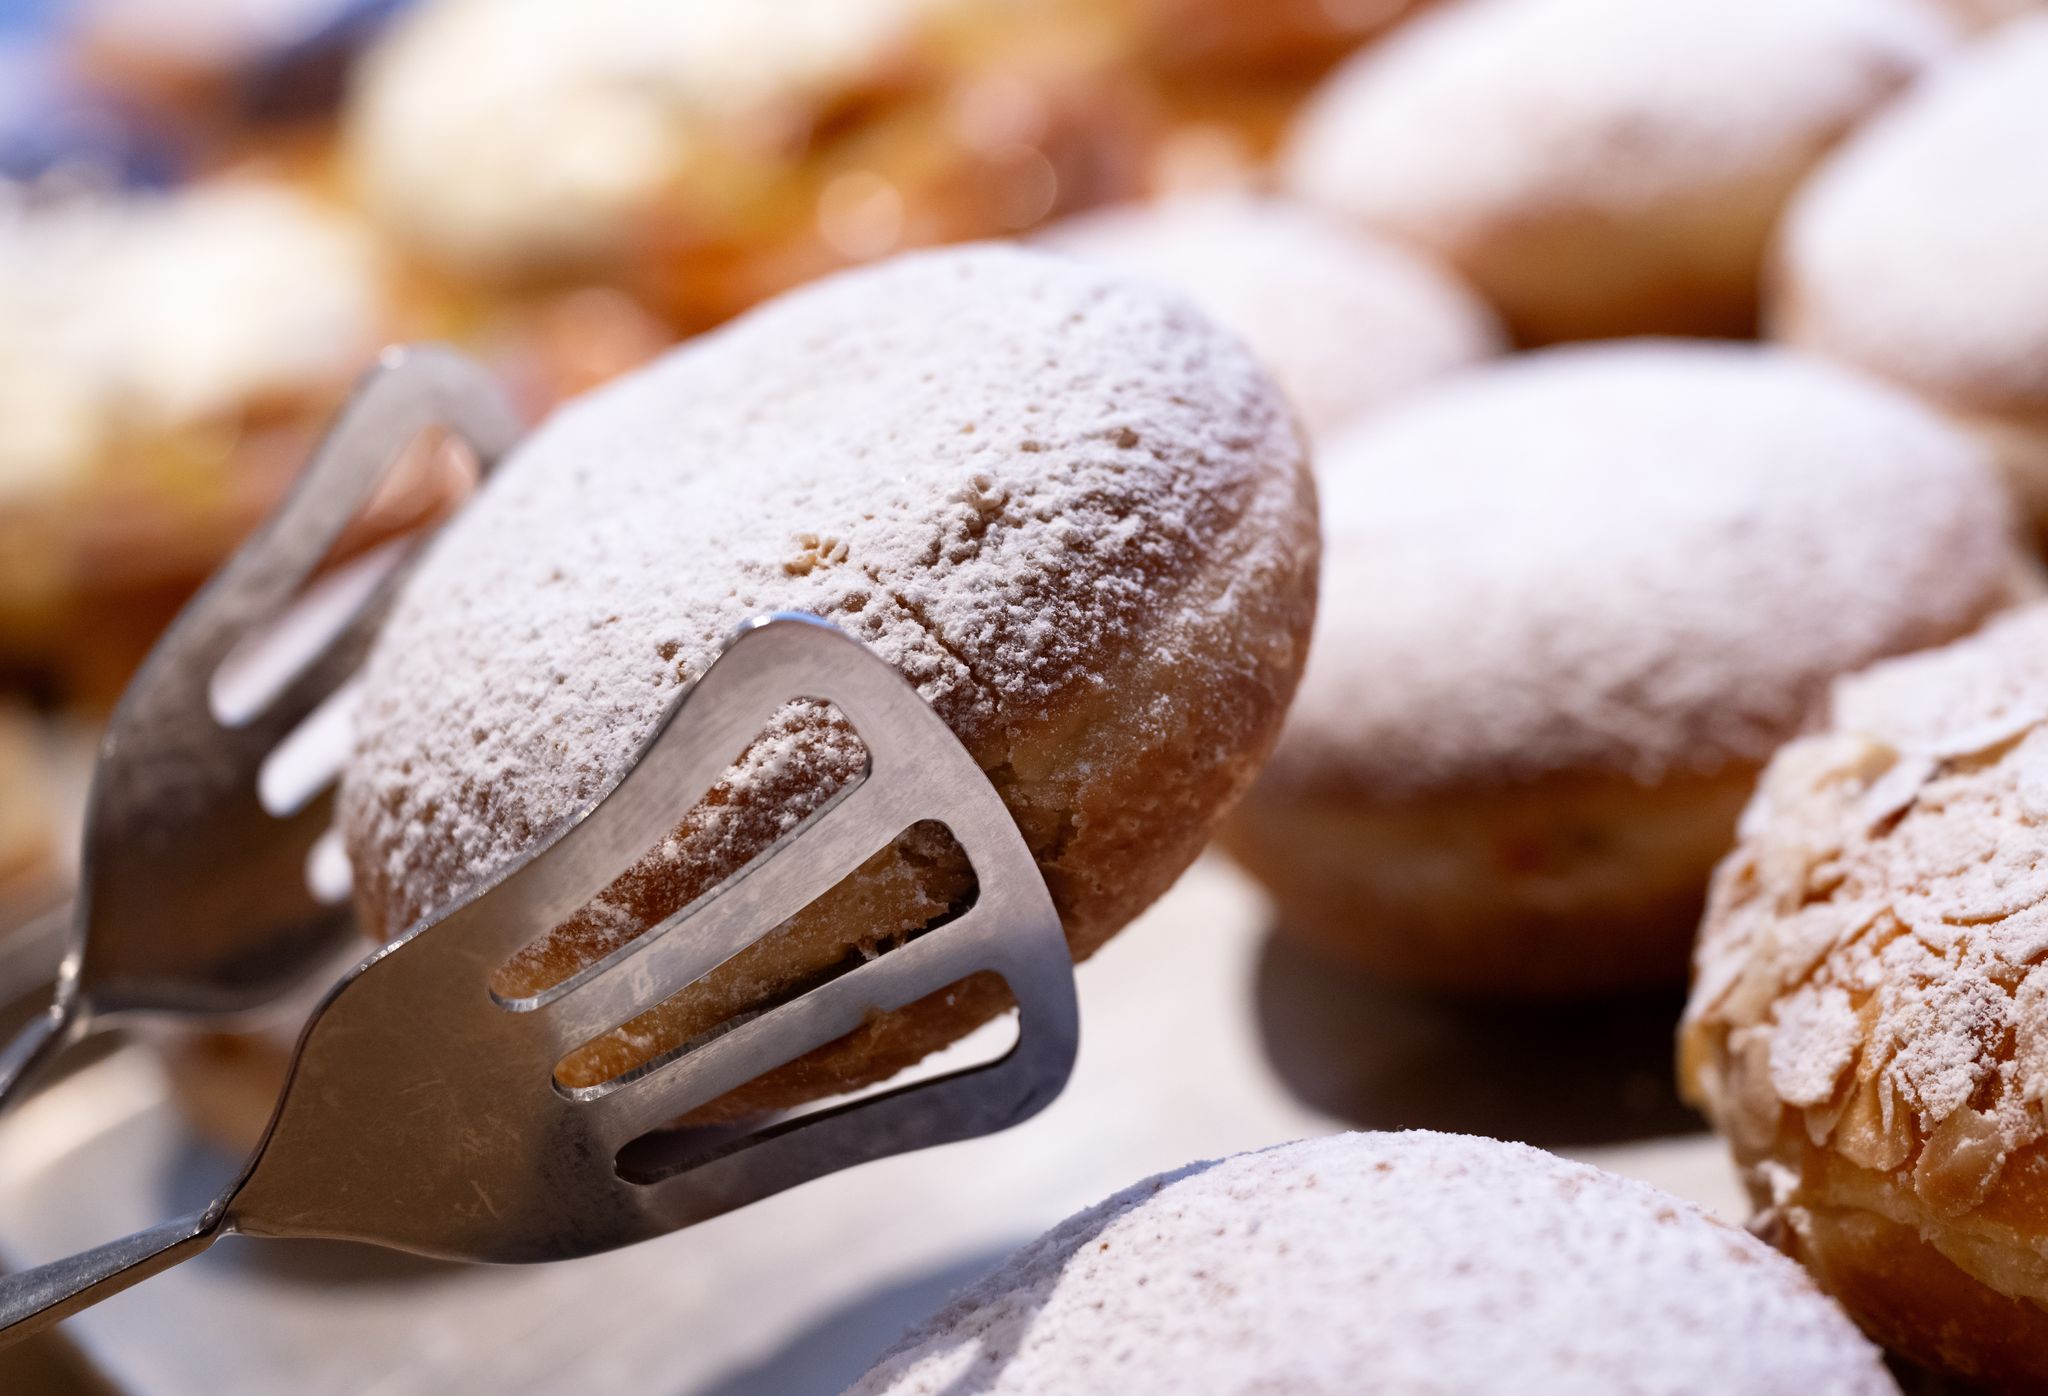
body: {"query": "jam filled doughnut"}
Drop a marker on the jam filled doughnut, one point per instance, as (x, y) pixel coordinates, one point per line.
(708, 155)
(1411, 1264)
(1072, 511)
(1869, 1017)
(1571, 603)
(1603, 167)
(1920, 251)
(1344, 320)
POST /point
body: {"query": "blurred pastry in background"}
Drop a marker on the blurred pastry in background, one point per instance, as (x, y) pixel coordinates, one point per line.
(165, 361)
(1346, 321)
(1869, 1016)
(1603, 167)
(27, 840)
(1919, 251)
(228, 74)
(1410, 1264)
(706, 156)
(1983, 14)
(1230, 73)
(1074, 512)
(1571, 603)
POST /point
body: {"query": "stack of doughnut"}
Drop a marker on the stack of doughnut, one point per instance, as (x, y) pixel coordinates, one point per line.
(1407, 1264)
(1346, 321)
(1091, 544)
(1918, 251)
(1603, 167)
(166, 359)
(1571, 603)
(1869, 1017)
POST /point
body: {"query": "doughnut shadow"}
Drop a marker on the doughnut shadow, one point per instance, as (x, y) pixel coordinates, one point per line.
(1556, 1075)
(835, 1349)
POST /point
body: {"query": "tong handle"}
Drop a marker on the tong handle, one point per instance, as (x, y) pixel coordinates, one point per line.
(38, 1044)
(32, 1300)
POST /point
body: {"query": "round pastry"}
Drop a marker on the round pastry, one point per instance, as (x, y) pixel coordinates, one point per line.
(1411, 1264)
(1869, 1017)
(710, 155)
(1918, 252)
(165, 362)
(1072, 511)
(1572, 603)
(1603, 167)
(1344, 320)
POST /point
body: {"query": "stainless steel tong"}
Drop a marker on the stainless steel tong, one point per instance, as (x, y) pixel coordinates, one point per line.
(422, 1111)
(194, 899)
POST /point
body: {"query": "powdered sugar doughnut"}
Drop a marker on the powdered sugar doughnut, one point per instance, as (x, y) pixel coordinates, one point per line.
(1920, 251)
(1572, 602)
(1603, 167)
(1075, 513)
(1345, 320)
(1869, 1021)
(1397, 1264)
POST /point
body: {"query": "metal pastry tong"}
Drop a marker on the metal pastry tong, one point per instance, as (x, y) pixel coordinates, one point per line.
(422, 1110)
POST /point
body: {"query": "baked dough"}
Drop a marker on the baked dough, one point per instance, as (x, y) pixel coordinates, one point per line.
(1572, 602)
(1918, 253)
(1075, 514)
(1869, 1017)
(1603, 167)
(1410, 1264)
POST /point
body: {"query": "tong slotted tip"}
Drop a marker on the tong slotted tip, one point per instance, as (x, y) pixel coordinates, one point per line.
(421, 1111)
(162, 923)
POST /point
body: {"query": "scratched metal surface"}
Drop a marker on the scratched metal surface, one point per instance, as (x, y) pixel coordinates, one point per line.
(1201, 1036)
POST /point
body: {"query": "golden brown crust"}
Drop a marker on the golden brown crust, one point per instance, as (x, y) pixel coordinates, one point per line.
(1867, 1021)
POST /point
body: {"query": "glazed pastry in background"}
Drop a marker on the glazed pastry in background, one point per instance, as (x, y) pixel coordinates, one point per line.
(1346, 321)
(1919, 251)
(1076, 514)
(706, 156)
(1603, 167)
(1571, 603)
(1411, 1264)
(165, 362)
(1869, 1017)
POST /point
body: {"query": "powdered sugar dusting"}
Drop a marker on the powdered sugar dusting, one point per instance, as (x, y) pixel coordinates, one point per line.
(999, 469)
(1484, 107)
(1399, 1264)
(1931, 928)
(1919, 250)
(1641, 558)
(1346, 321)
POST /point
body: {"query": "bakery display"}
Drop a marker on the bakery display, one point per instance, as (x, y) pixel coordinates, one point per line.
(1571, 603)
(1393, 1263)
(166, 359)
(1603, 167)
(1091, 543)
(1346, 321)
(1575, 600)
(706, 156)
(1866, 1023)
(1917, 252)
